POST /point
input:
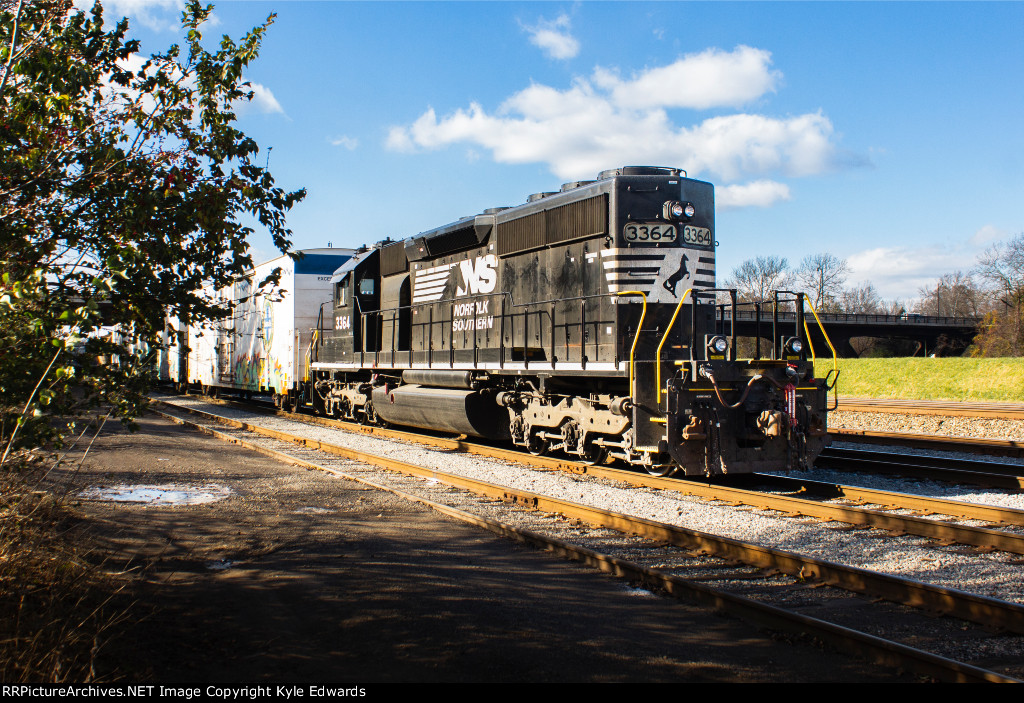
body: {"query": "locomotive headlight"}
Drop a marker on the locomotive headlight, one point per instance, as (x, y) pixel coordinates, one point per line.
(718, 345)
(675, 210)
(794, 345)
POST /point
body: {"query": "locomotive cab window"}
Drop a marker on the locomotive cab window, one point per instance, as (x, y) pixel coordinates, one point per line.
(366, 286)
(341, 293)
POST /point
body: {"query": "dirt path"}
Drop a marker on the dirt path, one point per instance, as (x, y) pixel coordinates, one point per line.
(297, 576)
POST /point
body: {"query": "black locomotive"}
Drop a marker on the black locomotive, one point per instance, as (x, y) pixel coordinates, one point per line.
(585, 321)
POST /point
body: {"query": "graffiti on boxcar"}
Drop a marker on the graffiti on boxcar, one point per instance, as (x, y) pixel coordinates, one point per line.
(254, 372)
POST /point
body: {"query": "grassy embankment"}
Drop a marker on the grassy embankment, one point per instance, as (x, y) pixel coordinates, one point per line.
(955, 378)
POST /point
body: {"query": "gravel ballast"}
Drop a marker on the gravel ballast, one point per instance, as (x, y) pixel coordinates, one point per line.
(996, 574)
(945, 425)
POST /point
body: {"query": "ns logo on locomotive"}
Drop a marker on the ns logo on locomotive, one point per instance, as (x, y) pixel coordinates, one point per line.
(585, 321)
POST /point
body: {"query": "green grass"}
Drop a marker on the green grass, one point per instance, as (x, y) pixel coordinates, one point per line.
(954, 378)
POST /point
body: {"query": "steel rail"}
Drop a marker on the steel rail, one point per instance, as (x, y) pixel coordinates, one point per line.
(967, 465)
(984, 610)
(877, 649)
(858, 515)
(904, 501)
(998, 447)
(980, 478)
(1003, 411)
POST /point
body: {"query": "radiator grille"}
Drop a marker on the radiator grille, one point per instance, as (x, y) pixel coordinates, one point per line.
(521, 234)
(583, 218)
(456, 240)
(393, 259)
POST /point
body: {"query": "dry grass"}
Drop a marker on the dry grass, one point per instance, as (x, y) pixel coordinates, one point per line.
(56, 608)
(953, 378)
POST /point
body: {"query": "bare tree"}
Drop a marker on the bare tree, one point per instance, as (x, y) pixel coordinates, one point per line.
(822, 276)
(954, 294)
(895, 307)
(756, 279)
(1002, 266)
(862, 299)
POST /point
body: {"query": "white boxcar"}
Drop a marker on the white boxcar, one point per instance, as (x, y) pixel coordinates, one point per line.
(262, 347)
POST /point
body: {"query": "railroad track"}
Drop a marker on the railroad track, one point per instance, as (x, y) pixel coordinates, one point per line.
(738, 562)
(803, 497)
(1003, 411)
(943, 442)
(972, 471)
(973, 445)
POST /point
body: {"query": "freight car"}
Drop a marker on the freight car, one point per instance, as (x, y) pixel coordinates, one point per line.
(586, 321)
(261, 346)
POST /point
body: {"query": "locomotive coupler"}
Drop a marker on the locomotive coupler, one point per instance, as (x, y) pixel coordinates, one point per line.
(695, 430)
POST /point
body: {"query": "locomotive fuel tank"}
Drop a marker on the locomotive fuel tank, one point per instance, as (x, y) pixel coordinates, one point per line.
(456, 410)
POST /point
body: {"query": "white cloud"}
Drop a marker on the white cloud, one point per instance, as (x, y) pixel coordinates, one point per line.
(553, 37)
(158, 15)
(345, 142)
(712, 78)
(988, 234)
(899, 272)
(263, 101)
(605, 121)
(400, 138)
(763, 193)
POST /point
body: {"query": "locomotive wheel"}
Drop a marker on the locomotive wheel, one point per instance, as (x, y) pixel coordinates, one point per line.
(372, 418)
(537, 445)
(663, 471)
(594, 455)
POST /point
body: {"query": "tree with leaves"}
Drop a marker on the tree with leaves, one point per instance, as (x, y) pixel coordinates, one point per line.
(123, 191)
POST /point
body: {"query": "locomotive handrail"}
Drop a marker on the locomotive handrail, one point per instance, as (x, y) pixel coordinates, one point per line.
(314, 344)
(505, 296)
(636, 337)
(657, 356)
(835, 362)
(582, 324)
(824, 334)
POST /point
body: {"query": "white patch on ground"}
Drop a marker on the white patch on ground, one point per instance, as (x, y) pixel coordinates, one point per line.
(170, 494)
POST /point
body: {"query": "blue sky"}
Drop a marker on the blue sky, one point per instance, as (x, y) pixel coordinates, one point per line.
(889, 134)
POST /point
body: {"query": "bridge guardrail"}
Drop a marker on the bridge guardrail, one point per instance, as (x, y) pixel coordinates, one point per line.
(931, 320)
